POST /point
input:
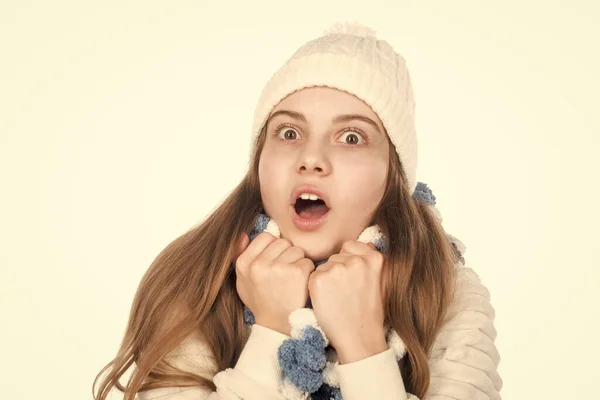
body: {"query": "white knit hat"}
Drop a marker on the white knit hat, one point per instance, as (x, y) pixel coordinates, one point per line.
(349, 57)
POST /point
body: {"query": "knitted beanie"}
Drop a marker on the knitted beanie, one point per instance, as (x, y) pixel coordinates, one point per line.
(351, 58)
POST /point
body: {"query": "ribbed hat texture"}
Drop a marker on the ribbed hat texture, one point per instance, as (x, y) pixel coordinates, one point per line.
(351, 58)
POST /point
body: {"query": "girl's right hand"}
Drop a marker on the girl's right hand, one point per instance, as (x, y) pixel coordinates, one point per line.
(272, 279)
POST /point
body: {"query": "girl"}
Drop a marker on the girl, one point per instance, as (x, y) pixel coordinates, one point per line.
(326, 274)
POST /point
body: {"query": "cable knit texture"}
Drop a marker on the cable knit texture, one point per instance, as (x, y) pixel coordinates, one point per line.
(463, 362)
(351, 58)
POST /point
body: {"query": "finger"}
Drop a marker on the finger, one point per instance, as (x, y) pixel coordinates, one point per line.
(319, 272)
(355, 247)
(312, 277)
(306, 265)
(338, 258)
(291, 255)
(275, 249)
(326, 266)
(366, 251)
(257, 246)
(243, 243)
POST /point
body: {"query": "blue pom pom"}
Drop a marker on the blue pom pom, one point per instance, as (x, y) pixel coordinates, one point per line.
(260, 224)
(292, 356)
(287, 353)
(423, 193)
(302, 360)
(313, 337)
(381, 244)
(305, 379)
(248, 316)
(336, 394)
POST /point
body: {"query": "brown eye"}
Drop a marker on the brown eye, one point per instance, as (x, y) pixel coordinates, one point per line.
(353, 138)
(288, 133)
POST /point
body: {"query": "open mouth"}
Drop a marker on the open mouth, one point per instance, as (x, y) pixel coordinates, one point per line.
(308, 208)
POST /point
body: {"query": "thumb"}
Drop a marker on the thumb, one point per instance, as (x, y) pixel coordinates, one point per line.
(372, 245)
(243, 243)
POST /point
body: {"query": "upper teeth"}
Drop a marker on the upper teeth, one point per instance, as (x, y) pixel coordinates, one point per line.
(309, 196)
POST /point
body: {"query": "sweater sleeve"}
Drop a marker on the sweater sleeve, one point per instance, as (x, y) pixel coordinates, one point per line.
(463, 362)
(256, 376)
(464, 358)
(376, 377)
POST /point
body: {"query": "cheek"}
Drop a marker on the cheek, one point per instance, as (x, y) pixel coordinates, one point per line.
(272, 177)
(272, 166)
(365, 184)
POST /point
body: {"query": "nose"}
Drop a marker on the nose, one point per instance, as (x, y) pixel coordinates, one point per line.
(313, 160)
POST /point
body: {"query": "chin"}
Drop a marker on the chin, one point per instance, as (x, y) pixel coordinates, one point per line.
(314, 249)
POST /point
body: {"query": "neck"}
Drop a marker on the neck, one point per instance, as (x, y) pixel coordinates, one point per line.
(371, 234)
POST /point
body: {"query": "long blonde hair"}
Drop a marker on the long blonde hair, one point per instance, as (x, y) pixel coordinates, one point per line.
(190, 288)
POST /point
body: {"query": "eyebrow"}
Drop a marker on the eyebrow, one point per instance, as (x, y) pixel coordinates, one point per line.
(340, 118)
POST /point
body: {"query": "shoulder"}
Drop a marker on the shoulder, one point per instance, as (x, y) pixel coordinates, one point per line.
(464, 358)
(193, 355)
(471, 306)
(470, 293)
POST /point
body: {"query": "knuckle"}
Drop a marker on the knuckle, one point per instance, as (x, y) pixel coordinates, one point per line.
(298, 272)
(240, 271)
(283, 242)
(378, 258)
(306, 266)
(265, 234)
(298, 254)
(259, 268)
(316, 280)
(355, 261)
(299, 251)
(346, 244)
(259, 261)
(240, 264)
(265, 237)
(275, 265)
(336, 269)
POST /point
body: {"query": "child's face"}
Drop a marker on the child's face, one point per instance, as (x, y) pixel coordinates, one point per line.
(347, 160)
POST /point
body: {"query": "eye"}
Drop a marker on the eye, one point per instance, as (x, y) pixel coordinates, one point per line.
(353, 138)
(289, 132)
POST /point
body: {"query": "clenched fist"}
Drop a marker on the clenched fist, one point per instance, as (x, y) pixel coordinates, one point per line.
(272, 279)
(347, 299)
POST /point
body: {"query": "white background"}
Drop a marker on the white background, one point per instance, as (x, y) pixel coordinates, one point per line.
(124, 124)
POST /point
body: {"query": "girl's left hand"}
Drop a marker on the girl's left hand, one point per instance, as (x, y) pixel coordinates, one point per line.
(346, 296)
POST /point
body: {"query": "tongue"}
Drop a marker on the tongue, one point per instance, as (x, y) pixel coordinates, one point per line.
(313, 211)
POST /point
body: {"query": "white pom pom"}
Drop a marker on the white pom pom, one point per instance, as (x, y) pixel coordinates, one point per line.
(300, 319)
(303, 317)
(291, 392)
(370, 234)
(273, 228)
(330, 374)
(459, 245)
(351, 28)
(396, 344)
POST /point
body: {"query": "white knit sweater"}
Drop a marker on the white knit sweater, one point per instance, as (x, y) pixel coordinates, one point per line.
(463, 361)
